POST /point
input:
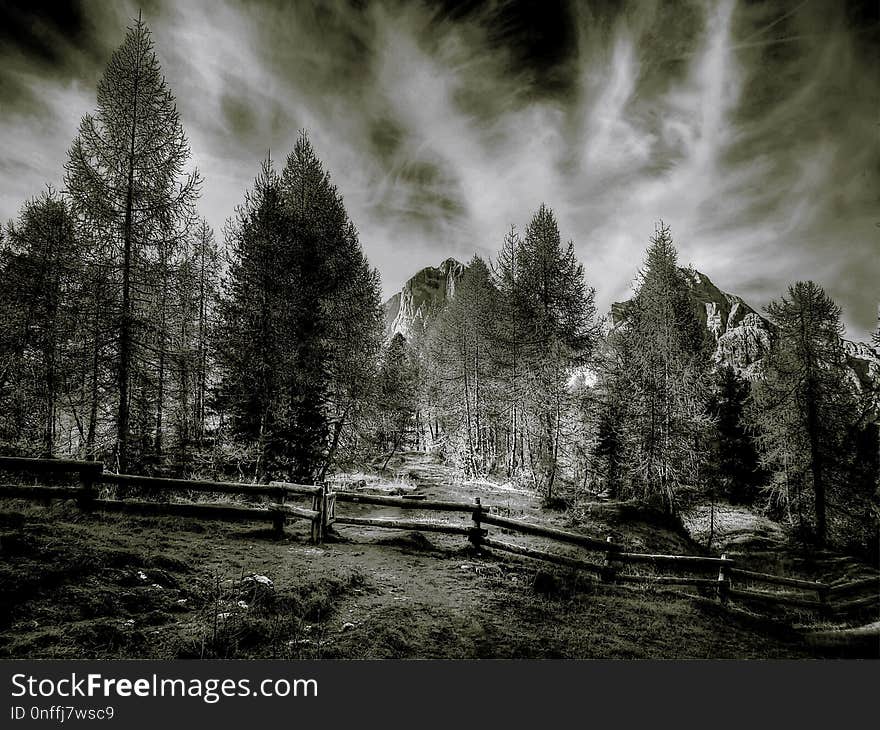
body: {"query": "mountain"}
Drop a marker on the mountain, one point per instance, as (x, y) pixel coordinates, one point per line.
(421, 298)
(741, 335)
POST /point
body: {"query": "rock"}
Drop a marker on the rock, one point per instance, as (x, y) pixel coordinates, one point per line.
(421, 298)
(254, 588)
(347, 626)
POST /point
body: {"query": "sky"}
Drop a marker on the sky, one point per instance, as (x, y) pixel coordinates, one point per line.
(750, 128)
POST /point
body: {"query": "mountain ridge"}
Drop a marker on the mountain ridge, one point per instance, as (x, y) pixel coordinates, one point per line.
(742, 335)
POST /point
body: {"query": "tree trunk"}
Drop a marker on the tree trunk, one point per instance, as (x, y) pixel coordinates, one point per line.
(816, 467)
(123, 416)
(93, 409)
(202, 356)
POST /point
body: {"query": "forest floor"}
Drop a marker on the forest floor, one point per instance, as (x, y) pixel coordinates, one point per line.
(109, 586)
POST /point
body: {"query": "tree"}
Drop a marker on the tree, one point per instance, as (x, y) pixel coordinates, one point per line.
(299, 320)
(397, 395)
(202, 277)
(735, 460)
(609, 412)
(40, 274)
(549, 330)
(127, 181)
(460, 365)
(665, 360)
(335, 309)
(507, 352)
(804, 405)
(249, 339)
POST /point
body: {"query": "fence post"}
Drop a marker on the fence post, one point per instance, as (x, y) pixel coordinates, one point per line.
(475, 534)
(278, 522)
(328, 510)
(278, 515)
(609, 569)
(723, 581)
(318, 504)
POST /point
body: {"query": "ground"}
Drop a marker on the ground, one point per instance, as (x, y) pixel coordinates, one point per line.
(107, 586)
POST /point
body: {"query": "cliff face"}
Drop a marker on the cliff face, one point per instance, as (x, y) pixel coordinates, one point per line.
(742, 336)
(421, 298)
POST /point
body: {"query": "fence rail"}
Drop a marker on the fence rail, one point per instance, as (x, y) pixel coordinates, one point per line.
(92, 473)
(57, 466)
(403, 502)
(322, 516)
(412, 525)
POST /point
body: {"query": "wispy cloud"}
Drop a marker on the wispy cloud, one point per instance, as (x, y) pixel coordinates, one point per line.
(751, 129)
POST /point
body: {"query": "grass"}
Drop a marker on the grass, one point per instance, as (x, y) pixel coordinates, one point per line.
(77, 585)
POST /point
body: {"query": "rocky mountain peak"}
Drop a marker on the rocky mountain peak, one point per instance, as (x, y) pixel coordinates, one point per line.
(421, 297)
(741, 335)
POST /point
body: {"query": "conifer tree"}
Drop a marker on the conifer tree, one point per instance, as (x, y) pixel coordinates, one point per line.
(737, 472)
(666, 363)
(39, 271)
(803, 406)
(299, 327)
(127, 179)
(397, 395)
(461, 362)
(335, 310)
(253, 349)
(558, 332)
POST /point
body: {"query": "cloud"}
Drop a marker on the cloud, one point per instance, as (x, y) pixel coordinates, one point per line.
(750, 128)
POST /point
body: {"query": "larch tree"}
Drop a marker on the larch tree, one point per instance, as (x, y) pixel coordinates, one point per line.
(804, 406)
(508, 350)
(666, 364)
(461, 368)
(127, 179)
(556, 320)
(397, 398)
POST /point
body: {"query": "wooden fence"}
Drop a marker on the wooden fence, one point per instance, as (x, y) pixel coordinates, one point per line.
(608, 560)
(92, 474)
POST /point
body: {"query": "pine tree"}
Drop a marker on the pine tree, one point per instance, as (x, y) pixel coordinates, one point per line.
(804, 405)
(335, 310)
(609, 413)
(734, 454)
(299, 320)
(126, 178)
(252, 349)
